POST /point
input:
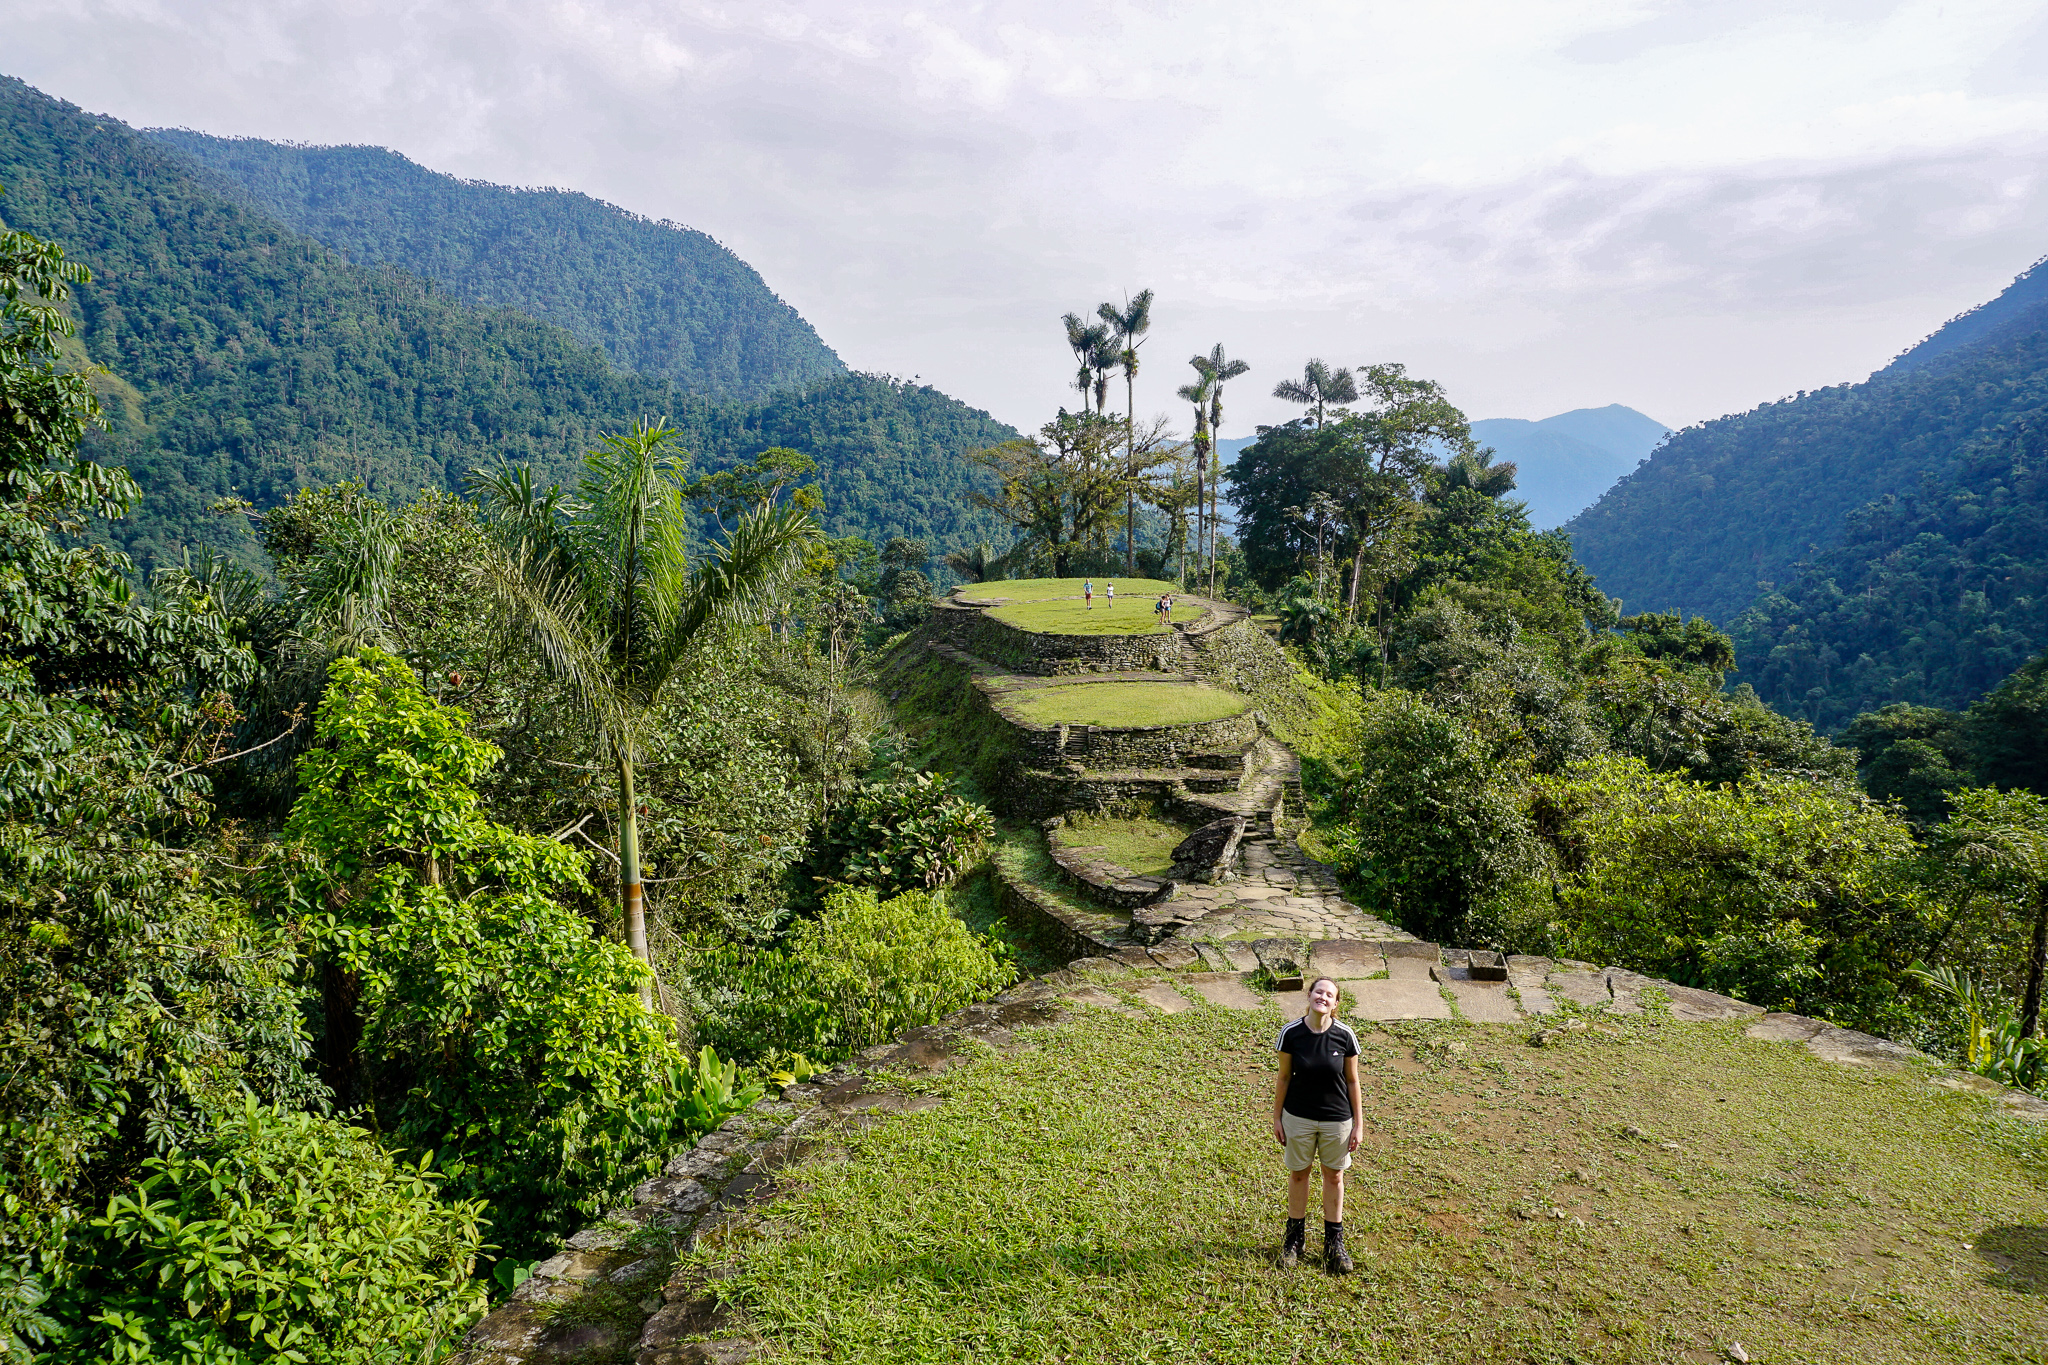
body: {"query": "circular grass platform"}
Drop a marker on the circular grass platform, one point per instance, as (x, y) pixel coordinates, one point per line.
(1070, 616)
(1043, 589)
(1122, 705)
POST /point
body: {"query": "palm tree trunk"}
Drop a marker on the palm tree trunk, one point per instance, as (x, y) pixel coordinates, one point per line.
(629, 872)
(2030, 1011)
(1130, 473)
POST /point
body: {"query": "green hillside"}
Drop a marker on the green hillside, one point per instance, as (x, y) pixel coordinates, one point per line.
(1932, 597)
(1741, 501)
(657, 297)
(246, 359)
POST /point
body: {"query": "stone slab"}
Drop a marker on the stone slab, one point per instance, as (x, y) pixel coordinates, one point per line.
(1212, 958)
(1344, 958)
(1097, 999)
(1696, 1006)
(1784, 1028)
(1526, 970)
(1162, 997)
(1410, 969)
(1176, 957)
(1847, 1046)
(1484, 1002)
(1587, 988)
(1279, 956)
(1222, 988)
(1535, 1000)
(1408, 947)
(1399, 1000)
(1239, 955)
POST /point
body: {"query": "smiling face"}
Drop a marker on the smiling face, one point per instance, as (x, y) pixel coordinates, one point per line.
(1322, 997)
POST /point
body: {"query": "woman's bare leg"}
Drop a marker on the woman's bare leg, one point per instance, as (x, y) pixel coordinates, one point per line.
(1297, 1193)
(1333, 1195)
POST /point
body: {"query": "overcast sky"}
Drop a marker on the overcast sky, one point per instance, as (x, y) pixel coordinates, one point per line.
(1687, 208)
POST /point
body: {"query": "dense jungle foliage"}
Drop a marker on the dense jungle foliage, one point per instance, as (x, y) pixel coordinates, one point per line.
(1932, 596)
(658, 298)
(311, 928)
(1520, 766)
(243, 360)
(1740, 502)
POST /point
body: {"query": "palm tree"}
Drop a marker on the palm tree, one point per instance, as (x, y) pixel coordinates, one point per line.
(1320, 385)
(1130, 323)
(974, 566)
(1475, 469)
(1220, 369)
(602, 587)
(1087, 342)
(1104, 358)
(1198, 394)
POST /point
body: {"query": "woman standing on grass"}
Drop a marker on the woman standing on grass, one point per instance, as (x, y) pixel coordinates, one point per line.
(1317, 1118)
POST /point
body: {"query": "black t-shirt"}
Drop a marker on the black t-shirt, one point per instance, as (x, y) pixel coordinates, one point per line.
(1316, 1087)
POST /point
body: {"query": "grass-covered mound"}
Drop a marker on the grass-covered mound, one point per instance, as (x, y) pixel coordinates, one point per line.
(1123, 704)
(1046, 589)
(1142, 843)
(1110, 1193)
(1072, 616)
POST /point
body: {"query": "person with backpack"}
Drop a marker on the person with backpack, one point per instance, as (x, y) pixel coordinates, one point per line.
(1317, 1120)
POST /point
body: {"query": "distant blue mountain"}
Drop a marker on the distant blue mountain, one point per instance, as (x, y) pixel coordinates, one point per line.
(1564, 463)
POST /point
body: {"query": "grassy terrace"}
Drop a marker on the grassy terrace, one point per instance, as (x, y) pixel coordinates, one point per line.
(1045, 589)
(1062, 616)
(1126, 703)
(1108, 1193)
(1143, 844)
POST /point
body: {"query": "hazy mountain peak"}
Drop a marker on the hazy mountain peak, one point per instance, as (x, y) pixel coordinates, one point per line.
(1564, 463)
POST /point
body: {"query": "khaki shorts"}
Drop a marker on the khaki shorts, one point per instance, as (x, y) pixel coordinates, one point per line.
(1313, 1140)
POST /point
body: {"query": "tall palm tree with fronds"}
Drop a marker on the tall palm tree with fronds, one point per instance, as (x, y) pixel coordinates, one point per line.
(1320, 387)
(1220, 369)
(603, 588)
(1087, 341)
(1130, 323)
(1198, 393)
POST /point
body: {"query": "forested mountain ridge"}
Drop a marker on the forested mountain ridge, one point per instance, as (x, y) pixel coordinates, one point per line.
(2021, 307)
(248, 360)
(1728, 506)
(657, 297)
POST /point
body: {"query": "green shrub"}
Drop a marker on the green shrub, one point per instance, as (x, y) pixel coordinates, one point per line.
(284, 1236)
(857, 975)
(1428, 824)
(495, 1029)
(1789, 892)
(910, 831)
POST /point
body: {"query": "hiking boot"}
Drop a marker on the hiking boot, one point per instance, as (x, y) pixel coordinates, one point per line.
(1294, 1244)
(1336, 1259)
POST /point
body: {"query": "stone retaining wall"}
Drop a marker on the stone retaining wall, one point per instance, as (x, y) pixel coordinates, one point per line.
(970, 627)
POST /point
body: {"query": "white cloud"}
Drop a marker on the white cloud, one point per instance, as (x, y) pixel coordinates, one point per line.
(1684, 207)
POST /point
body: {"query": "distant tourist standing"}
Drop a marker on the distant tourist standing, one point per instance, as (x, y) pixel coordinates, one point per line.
(1111, 586)
(1317, 1119)
(1088, 592)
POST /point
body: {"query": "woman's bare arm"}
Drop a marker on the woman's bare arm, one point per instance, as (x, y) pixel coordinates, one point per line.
(1280, 1096)
(1357, 1101)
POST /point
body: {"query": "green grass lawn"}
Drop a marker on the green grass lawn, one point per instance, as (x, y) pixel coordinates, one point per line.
(1109, 1193)
(1040, 589)
(1065, 616)
(1126, 703)
(1142, 844)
